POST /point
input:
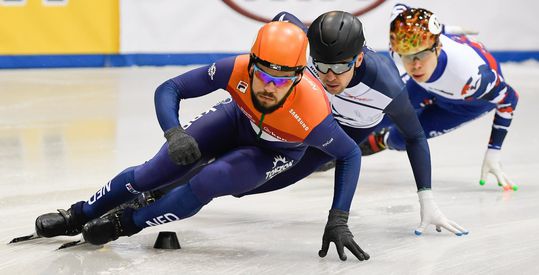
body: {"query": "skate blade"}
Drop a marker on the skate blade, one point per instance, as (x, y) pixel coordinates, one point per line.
(72, 244)
(32, 236)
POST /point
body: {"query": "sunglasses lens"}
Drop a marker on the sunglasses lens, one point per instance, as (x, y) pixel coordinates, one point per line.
(322, 67)
(282, 82)
(341, 68)
(419, 56)
(407, 58)
(277, 81)
(338, 68)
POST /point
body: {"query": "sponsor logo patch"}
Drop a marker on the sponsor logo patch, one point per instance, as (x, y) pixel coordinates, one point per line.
(168, 217)
(242, 86)
(211, 71)
(131, 189)
(212, 109)
(280, 164)
(299, 119)
(327, 142)
(100, 193)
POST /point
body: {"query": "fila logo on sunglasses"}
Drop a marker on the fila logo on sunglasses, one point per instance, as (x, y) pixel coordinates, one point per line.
(242, 86)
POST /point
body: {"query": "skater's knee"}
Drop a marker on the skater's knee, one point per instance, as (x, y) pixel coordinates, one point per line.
(221, 172)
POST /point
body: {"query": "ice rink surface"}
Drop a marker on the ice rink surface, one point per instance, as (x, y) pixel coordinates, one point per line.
(65, 132)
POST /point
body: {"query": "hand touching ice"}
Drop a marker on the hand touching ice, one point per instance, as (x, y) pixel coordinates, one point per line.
(492, 165)
(431, 214)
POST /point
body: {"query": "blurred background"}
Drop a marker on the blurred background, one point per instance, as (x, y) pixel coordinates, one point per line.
(105, 33)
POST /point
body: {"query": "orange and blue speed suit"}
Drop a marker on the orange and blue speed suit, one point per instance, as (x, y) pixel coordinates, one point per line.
(248, 150)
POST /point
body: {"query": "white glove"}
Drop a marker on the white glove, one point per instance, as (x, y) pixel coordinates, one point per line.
(431, 214)
(491, 165)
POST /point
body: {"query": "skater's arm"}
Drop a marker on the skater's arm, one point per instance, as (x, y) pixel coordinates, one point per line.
(288, 17)
(404, 116)
(195, 83)
(329, 137)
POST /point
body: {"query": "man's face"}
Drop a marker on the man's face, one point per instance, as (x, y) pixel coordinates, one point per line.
(421, 65)
(336, 82)
(270, 86)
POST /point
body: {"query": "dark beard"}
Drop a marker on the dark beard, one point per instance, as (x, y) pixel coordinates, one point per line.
(263, 109)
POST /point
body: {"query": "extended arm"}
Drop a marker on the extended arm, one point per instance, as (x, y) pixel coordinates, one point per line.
(493, 89)
(500, 126)
(194, 83)
(329, 137)
(403, 115)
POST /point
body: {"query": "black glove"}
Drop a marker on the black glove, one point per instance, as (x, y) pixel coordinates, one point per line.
(182, 148)
(337, 231)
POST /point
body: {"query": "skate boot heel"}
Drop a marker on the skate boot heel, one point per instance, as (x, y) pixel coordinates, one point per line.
(375, 143)
(110, 227)
(64, 223)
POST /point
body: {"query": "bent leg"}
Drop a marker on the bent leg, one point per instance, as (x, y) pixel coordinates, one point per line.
(125, 186)
(310, 162)
(234, 173)
(160, 170)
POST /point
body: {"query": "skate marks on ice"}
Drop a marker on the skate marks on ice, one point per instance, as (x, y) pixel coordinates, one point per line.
(49, 159)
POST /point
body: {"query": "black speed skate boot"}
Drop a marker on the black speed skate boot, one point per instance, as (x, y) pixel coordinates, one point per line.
(64, 223)
(110, 227)
(375, 143)
(142, 200)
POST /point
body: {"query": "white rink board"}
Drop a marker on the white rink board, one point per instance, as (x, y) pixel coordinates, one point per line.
(193, 26)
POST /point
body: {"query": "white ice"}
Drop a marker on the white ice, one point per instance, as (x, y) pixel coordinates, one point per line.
(65, 132)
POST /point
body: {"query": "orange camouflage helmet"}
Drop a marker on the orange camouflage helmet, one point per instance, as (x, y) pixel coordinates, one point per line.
(414, 30)
(281, 46)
